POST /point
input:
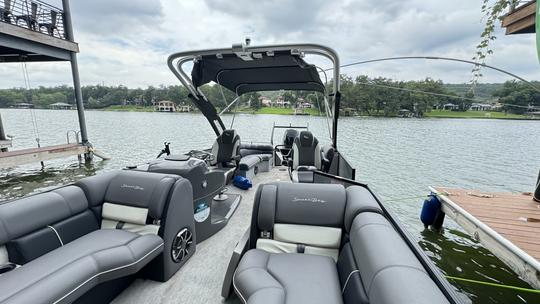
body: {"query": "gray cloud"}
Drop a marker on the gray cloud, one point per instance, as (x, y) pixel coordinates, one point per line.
(127, 41)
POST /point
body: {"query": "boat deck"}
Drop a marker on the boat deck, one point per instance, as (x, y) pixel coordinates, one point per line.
(508, 224)
(200, 279)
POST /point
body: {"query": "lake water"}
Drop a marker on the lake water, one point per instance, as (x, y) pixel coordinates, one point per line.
(398, 158)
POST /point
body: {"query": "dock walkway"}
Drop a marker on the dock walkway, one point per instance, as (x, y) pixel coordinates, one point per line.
(508, 224)
(25, 156)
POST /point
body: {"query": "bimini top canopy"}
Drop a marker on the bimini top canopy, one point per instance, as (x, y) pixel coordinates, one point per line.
(268, 71)
(244, 68)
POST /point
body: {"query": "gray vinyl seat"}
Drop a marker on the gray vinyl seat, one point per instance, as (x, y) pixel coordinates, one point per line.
(226, 148)
(306, 151)
(323, 243)
(60, 246)
(71, 270)
(306, 157)
(256, 157)
(225, 151)
(263, 277)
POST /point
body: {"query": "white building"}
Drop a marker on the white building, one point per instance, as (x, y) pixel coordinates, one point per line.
(165, 106)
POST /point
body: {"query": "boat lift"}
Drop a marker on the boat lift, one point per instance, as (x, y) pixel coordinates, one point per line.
(26, 42)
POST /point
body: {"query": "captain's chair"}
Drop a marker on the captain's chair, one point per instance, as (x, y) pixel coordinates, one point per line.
(306, 156)
(306, 151)
(226, 149)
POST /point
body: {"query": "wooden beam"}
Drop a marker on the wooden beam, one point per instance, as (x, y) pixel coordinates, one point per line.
(523, 26)
(520, 13)
(26, 156)
(35, 36)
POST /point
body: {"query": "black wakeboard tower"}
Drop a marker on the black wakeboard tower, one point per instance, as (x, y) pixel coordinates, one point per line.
(244, 68)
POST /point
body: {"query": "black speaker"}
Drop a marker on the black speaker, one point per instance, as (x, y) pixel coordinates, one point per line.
(536, 195)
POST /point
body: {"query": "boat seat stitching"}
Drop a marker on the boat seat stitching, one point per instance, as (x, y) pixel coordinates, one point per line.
(108, 271)
(57, 235)
(370, 224)
(275, 278)
(264, 269)
(65, 202)
(72, 262)
(348, 278)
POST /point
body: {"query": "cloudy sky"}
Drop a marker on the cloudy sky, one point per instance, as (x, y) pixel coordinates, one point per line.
(127, 41)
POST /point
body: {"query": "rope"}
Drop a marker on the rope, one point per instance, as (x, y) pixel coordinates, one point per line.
(225, 100)
(442, 95)
(453, 278)
(234, 113)
(406, 198)
(494, 284)
(32, 110)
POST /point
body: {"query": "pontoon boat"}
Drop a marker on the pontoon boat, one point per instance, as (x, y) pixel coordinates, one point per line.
(167, 231)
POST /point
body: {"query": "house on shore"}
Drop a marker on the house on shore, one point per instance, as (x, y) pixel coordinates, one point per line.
(165, 106)
(265, 101)
(22, 105)
(282, 103)
(450, 106)
(481, 107)
(60, 106)
(184, 108)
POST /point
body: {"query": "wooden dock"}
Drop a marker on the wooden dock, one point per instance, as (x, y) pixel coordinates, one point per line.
(26, 156)
(508, 224)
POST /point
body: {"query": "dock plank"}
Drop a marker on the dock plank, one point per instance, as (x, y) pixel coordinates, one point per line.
(25, 156)
(515, 217)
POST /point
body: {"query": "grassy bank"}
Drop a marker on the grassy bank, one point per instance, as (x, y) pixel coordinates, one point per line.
(315, 112)
(473, 114)
(130, 108)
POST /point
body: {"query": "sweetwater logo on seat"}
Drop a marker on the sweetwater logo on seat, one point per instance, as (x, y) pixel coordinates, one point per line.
(308, 200)
(134, 187)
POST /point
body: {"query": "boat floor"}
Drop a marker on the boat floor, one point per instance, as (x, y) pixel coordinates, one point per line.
(200, 279)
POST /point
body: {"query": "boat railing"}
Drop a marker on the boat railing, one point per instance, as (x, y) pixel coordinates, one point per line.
(289, 126)
(36, 16)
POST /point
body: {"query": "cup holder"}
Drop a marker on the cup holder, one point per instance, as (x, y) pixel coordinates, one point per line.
(7, 268)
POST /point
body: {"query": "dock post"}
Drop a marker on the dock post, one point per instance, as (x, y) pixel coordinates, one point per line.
(2, 134)
(536, 194)
(68, 28)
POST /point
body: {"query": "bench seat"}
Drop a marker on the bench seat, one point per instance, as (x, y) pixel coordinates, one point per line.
(64, 274)
(256, 157)
(323, 243)
(271, 278)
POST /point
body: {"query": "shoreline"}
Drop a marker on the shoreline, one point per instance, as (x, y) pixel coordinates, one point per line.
(314, 112)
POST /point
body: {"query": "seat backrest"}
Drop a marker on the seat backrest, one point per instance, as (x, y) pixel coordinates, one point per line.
(309, 218)
(226, 147)
(327, 155)
(35, 225)
(255, 149)
(288, 138)
(129, 200)
(306, 150)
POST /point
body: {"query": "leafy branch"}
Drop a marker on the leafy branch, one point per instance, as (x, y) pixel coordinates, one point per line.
(493, 13)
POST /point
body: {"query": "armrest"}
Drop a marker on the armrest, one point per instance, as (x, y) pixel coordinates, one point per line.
(239, 250)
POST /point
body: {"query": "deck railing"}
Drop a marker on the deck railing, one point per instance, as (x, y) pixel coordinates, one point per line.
(34, 15)
(516, 4)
